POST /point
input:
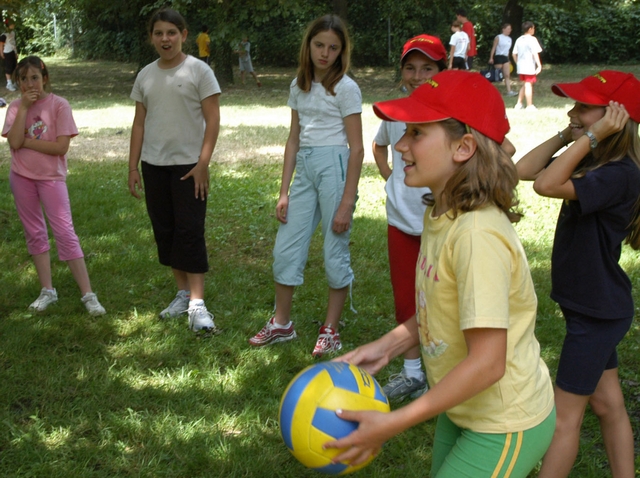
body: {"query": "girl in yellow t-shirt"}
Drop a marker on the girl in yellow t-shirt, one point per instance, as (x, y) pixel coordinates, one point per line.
(489, 388)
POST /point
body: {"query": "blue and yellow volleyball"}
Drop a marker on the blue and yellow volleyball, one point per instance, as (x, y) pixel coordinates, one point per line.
(307, 411)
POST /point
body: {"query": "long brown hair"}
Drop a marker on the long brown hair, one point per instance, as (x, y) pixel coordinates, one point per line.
(488, 177)
(305, 68)
(625, 142)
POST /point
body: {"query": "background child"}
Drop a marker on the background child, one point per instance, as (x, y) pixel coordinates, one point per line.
(459, 47)
(476, 301)
(598, 178)
(526, 54)
(204, 44)
(39, 127)
(422, 57)
(467, 27)
(244, 54)
(499, 56)
(174, 132)
(9, 53)
(325, 150)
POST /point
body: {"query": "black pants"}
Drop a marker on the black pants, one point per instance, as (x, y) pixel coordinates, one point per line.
(177, 217)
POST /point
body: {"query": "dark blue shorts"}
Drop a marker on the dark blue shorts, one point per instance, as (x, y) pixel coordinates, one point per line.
(589, 349)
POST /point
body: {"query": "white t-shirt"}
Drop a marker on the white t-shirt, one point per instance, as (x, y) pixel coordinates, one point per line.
(174, 124)
(525, 48)
(461, 41)
(322, 115)
(405, 209)
(504, 44)
(10, 42)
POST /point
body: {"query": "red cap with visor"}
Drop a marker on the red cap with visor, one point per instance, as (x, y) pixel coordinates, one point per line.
(462, 95)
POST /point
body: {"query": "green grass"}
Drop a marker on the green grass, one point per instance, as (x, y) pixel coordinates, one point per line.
(129, 395)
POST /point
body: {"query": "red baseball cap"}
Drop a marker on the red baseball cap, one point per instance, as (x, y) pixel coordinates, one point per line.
(603, 87)
(462, 95)
(427, 44)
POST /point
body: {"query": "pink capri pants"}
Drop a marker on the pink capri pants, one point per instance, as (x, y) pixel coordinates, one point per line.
(30, 197)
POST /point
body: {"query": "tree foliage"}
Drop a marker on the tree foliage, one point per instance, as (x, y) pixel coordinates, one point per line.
(569, 30)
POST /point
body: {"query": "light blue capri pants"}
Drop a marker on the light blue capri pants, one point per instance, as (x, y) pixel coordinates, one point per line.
(314, 197)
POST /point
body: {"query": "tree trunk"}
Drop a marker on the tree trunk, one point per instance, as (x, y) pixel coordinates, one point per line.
(513, 13)
(340, 8)
(222, 60)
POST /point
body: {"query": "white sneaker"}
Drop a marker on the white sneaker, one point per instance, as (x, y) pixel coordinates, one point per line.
(11, 86)
(44, 300)
(90, 301)
(178, 305)
(200, 319)
(531, 108)
(518, 106)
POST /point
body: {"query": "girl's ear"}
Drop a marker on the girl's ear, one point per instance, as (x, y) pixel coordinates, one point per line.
(184, 35)
(466, 148)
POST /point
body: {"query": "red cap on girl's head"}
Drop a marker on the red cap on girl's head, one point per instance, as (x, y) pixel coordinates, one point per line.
(462, 95)
(427, 44)
(603, 87)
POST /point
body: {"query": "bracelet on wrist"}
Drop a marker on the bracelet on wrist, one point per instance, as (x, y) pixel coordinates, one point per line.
(134, 169)
(561, 136)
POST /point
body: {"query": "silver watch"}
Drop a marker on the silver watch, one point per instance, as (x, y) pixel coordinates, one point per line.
(593, 142)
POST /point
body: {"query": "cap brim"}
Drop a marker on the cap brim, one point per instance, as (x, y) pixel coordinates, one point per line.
(579, 93)
(423, 52)
(407, 110)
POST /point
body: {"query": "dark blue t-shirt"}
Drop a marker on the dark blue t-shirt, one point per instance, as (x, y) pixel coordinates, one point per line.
(585, 273)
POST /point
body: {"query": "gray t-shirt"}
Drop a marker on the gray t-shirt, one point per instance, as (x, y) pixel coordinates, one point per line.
(174, 124)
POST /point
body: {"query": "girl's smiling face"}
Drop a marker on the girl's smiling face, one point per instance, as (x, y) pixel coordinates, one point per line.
(30, 79)
(427, 152)
(417, 69)
(167, 40)
(582, 117)
(325, 48)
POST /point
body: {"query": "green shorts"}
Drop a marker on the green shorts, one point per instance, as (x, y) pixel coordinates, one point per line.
(458, 452)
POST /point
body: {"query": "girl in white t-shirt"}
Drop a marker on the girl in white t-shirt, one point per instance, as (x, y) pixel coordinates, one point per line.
(325, 150)
(459, 43)
(174, 132)
(422, 57)
(499, 56)
(39, 127)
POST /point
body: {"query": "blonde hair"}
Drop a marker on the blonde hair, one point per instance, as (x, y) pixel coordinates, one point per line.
(305, 67)
(489, 177)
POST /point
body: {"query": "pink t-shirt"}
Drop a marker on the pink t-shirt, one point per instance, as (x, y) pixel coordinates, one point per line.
(47, 119)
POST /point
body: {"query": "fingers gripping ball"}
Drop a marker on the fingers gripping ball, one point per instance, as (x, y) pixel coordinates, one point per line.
(307, 411)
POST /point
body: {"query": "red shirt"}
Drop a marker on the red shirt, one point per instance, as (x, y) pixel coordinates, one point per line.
(467, 27)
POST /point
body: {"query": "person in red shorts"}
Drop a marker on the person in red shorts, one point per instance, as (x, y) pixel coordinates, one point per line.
(526, 54)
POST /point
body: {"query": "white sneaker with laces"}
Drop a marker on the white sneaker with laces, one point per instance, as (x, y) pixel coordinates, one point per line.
(200, 318)
(90, 301)
(178, 306)
(44, 300)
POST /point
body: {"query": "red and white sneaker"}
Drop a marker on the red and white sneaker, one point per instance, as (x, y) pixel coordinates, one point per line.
(270, 334)
(328, 341)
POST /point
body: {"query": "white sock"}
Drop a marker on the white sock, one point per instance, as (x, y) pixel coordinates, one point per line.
(413, 368)
(196, 303)
(279, 326)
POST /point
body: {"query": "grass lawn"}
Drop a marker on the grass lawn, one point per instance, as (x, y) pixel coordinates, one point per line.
(130, 395)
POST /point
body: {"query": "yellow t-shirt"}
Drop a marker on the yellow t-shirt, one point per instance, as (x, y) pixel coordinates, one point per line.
(202, 40)
(472, 272)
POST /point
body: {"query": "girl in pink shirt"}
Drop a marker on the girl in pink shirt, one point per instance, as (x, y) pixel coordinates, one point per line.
(39, 127)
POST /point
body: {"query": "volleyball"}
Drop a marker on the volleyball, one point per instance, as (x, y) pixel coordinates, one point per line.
(307, 412)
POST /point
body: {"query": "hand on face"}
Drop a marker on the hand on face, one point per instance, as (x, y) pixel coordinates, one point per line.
(614, 120)
(30, 96)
